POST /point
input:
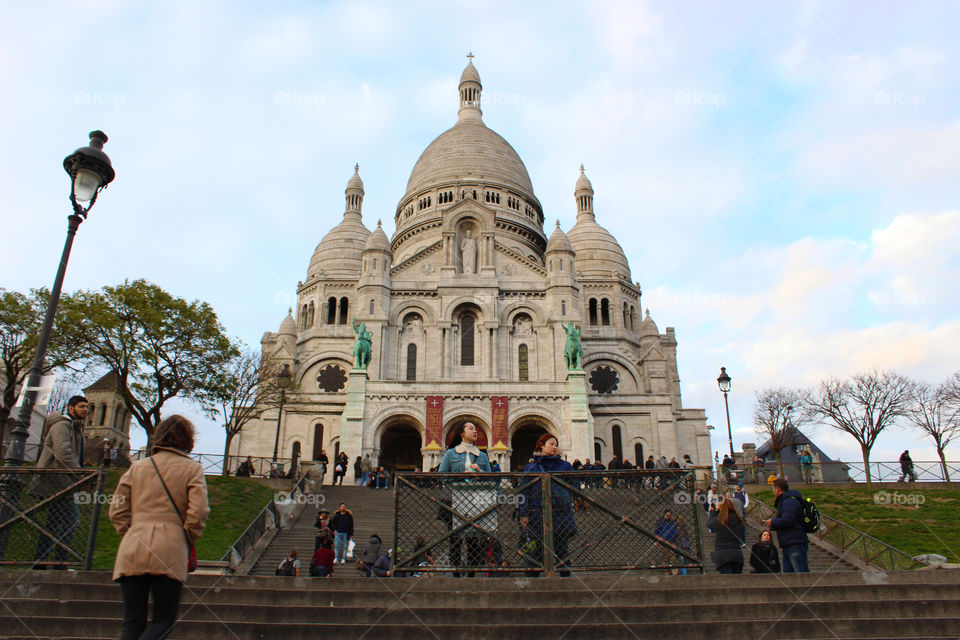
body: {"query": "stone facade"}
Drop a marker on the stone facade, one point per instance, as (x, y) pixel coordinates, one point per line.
(466, 304)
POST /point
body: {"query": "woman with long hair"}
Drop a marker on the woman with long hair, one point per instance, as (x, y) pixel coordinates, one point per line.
(546, 459)
(159, 509)
(729, 536)
(465, 457)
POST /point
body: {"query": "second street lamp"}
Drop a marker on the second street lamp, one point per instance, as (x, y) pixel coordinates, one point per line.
(723, 381)
(283, 379)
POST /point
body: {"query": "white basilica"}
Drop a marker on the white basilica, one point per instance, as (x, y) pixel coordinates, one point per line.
(466, 307)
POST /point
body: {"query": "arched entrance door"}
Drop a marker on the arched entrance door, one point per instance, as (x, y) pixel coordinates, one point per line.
(523, 441)
(400, 447)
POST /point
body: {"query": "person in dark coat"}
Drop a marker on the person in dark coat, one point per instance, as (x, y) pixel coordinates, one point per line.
(668, 530)
(790, 534)
(763, 555)
(341, 524)
(546, 458)
(371, 554)
(381, 568)
(729, 538)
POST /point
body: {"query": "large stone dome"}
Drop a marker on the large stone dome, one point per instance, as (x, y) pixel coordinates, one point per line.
(341, 250)
(470, 151)
(598, 252)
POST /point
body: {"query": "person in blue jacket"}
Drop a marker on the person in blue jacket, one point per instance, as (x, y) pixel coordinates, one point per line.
(465, 457)
(546, 459)
(790, 534)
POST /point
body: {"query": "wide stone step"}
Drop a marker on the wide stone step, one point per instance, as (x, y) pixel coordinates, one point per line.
(762, 626)
(399, 611)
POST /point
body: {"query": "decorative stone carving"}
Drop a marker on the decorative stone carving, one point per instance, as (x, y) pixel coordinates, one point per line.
(523, 326)
(468, 253)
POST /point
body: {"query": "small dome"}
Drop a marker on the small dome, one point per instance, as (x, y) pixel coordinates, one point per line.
(378, 240)
(341, 250)
(470, 74)
(355, 183)
(559, 241)
(288, 327)
(598, 252)
(648, 327)
(583, 183)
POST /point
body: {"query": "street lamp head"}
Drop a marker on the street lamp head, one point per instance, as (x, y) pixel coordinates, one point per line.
(90, 171)
(723, 380)
(284, 373)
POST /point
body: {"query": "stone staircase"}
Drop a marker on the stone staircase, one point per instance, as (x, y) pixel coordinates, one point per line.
(910, 604)
(372, 510)
(819, 559)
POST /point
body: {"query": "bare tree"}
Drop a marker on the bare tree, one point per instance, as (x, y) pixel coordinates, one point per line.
(936, 412)
(251, 385)
(863, 406)
(67, 385)
(778, 415)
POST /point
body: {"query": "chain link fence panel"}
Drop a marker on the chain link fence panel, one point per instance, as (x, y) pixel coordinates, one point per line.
(533, 523)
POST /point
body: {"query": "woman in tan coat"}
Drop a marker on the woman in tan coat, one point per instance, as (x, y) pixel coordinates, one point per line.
(158, 529)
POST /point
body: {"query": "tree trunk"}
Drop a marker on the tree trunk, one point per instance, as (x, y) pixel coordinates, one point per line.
(943, 464)
(226, 453)
(779, 465)
(866, 461)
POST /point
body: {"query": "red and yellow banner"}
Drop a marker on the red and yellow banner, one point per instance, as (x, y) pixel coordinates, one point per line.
(498, 425)
(434, 426)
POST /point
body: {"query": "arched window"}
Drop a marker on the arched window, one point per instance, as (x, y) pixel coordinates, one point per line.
(638, 455)
(596, 452)
(563, 307)
(344, 309)
(593, 311)
(310, 311)
(371, 306)
(523, 359)
(633, 318)
(317, 440)
(467, 323)
(103, 414)
(92, 413)
(617, 443)
(411, 361)
(626, 315)
(332, 311)
(605, 312)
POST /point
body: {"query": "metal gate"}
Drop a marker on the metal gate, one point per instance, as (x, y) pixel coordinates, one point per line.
(49, 516)
(503, 523)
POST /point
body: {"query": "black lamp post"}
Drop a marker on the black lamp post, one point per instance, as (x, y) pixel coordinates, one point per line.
(284, 379)
(723, 381)
(90, 171)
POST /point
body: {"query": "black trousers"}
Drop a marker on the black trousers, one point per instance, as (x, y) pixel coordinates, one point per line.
(166, 601)
(474, 552)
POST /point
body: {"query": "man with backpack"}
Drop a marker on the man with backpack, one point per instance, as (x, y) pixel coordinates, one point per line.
(789, 527)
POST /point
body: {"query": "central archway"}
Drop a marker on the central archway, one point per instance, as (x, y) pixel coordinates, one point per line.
(523, 441)
(401, 448)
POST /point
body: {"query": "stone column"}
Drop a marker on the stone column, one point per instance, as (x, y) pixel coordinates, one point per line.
(351, 421)
(581, 420)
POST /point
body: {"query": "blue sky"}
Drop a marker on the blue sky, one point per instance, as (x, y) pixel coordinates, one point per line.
(782, 176)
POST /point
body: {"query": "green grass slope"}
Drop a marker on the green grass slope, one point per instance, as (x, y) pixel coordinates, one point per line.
(914, 520)
(234, 502)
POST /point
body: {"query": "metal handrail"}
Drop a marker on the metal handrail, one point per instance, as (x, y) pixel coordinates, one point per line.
(247, 540)
(843, 472)
(212, 463)
(849, 539)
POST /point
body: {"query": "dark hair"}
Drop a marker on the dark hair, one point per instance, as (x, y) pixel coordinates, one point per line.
(175, 432)
(74, 401)
(760, 537)
(542, 440)
(781, 484)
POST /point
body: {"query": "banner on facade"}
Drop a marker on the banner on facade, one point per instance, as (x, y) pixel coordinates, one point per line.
(434, 425)
(498, 426)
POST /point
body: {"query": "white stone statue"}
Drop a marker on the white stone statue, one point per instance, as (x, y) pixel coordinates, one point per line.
(468, 254)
